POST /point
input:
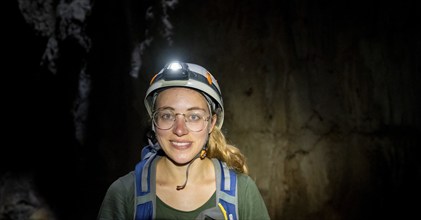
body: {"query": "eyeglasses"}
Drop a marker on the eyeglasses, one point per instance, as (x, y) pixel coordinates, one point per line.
(195, 120)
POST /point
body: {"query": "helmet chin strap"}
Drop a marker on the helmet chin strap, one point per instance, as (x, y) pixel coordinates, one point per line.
(201, 155)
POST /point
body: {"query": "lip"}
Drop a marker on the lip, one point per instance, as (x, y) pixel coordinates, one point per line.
(181, 144)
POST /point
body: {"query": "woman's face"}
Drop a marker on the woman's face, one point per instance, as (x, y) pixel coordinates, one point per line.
(179, 143)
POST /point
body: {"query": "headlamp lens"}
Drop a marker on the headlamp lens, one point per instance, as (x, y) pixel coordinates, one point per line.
(176, 71)
(174, 66)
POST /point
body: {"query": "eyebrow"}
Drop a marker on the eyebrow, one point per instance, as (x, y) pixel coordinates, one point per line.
(171, 108)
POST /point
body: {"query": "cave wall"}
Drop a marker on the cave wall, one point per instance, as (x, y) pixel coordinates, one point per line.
(320, 97)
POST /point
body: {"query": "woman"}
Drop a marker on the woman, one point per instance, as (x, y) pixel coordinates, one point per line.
(190, 172)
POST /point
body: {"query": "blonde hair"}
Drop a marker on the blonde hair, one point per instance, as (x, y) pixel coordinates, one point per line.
(220, 149)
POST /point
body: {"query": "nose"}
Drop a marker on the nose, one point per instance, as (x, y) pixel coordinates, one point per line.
(180, 127)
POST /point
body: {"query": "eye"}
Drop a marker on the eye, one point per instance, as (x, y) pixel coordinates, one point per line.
(166, 116)
(195, 116)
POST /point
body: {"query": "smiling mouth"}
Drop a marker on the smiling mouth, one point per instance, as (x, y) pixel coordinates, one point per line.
(180, 144)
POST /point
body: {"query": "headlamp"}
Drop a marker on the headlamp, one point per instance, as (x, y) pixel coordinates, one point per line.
(176, 71)
(174, 66)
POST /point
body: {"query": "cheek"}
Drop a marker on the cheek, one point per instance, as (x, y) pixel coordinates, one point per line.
(159, 132)
(203, 136)
(161, 135)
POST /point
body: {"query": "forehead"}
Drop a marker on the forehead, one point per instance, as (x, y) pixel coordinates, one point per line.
(180, 97)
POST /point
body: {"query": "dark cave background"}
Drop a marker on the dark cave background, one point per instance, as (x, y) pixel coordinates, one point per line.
(321, 97)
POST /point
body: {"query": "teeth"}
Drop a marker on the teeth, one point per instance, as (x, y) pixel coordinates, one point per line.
(180, 143)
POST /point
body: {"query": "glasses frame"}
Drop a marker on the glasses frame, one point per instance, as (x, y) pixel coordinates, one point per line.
(205, 120)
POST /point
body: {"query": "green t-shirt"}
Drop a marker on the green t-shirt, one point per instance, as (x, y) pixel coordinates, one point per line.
(119, 202)
(164, 211)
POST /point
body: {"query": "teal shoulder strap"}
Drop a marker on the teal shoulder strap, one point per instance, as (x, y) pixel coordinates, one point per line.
(226, 192)
(145, 192)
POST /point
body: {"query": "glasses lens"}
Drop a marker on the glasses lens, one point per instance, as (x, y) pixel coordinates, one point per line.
(195, 120)
(164, 119)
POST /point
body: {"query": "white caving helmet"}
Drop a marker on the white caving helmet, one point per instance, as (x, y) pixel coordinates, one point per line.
(179, 74)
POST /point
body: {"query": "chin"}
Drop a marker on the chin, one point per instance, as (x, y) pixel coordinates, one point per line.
(181, 161)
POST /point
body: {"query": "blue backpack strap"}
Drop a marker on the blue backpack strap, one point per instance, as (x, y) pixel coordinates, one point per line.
(145, 191)
(226, 192)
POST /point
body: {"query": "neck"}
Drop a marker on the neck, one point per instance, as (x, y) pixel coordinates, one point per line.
(176, 174)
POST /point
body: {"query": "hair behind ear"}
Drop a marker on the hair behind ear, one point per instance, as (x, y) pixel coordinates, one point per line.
(218, 148)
